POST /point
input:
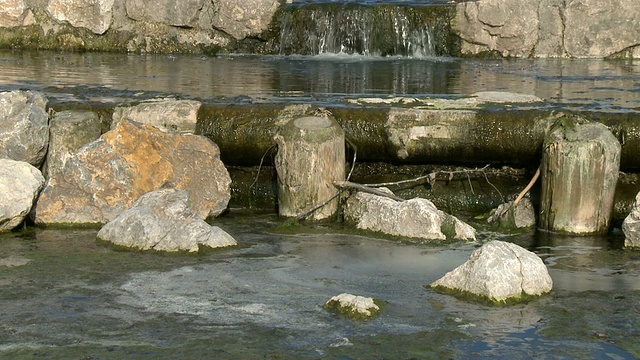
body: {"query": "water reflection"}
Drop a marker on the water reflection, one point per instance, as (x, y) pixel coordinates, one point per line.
(593, 84)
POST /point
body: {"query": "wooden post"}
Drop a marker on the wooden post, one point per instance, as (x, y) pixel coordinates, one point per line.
(310, 159)
(580, 164)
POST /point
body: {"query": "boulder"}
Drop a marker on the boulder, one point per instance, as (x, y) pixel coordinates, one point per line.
(15, 13)
(241, 18)
(69, 131)
(631, 226)
(20, 184)
(105, 177)
(415, 218)
(498, 271)
(522, 215)
(355, 307)
(24, 126)
(177, 116)
(548, 28)
(94, 15)
(182, 13)
(162, 220)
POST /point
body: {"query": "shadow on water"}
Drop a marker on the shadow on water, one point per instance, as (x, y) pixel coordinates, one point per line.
(65, 296)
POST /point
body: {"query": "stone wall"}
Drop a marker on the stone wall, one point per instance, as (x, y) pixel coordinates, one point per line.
(185, 26)
(550, 28)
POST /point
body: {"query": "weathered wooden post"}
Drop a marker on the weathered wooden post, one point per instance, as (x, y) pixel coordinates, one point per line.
(310, 159)
(580, 164)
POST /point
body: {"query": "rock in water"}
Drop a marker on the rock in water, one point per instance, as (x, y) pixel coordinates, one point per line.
(20, 184)
(631, 226)
(162, 220)
(498, 271)
(415, 218)
(105, 177)
(355, 307)
(24, 126)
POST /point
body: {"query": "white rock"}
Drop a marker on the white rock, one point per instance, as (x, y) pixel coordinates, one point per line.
(416, 218)
(353, 303)
(95, 15)
(499, 271)
(20, 184)
(162, 220)
(169, 115)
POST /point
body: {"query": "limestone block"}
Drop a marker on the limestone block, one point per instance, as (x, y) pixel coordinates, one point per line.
(176, 116)
(182, 13)
(24, 126)
(162, 220)
(95, 15)
(15, 13)
(69, 131)
(105, 177)
(499, 271)
(20, 184)
(415, 218)
(241, 18)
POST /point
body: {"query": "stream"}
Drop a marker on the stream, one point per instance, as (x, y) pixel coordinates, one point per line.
(65, 296)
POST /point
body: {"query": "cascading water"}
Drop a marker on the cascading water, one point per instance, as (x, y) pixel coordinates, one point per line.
(380, 30)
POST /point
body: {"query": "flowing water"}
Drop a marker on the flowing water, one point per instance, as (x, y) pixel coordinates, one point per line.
(66, 296)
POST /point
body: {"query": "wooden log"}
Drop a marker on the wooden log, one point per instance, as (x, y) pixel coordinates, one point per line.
(580, 166)
(310, 159)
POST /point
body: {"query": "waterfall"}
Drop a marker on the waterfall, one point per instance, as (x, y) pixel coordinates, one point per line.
(380, 30)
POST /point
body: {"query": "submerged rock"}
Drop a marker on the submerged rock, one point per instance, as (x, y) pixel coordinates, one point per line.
(162, 220)
(522, 215)
(500, 272)
(355, 307)
(24, 126)
(20, 184)
(631, 226)
(105, 177)
(415, 218)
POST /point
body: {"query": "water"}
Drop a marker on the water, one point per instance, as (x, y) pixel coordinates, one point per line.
(66, 296)
(577, 84)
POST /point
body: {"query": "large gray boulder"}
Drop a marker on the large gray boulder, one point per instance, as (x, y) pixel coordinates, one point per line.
(241, 18)
(548, 28)
(499, 271)
(68, 131)
(24, 126)
(94, 15)
(177, 116)
(631, 225)
(162, 220)
(415, 218)
(20, 184)
(105, 177)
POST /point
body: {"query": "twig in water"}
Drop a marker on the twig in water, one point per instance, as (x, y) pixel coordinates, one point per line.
(493, 186)
(366, 188)
(255, 181)
(430, 176)
(315, 208)
(353, 163)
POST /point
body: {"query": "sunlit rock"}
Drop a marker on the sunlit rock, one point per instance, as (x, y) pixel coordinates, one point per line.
(548, 28)
(241, 18)
(500, 272)
(183, 13)
(105, 177)
(631, 225)
(176, 116)
(355, 307)
(415, 218)
(68, 131)
(20, 184)
(24, 126)
(162, 220)
(15, 13)
(95, 15)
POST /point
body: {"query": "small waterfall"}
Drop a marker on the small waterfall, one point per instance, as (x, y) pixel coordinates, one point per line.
(380, 30)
